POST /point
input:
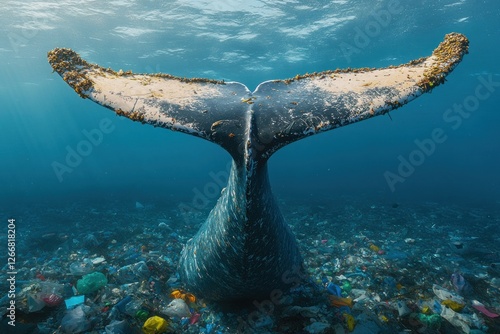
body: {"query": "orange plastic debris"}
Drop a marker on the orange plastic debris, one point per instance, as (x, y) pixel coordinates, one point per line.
(340, 301)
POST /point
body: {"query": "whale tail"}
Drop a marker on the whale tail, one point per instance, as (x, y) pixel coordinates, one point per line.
(254, 125)
(245, 249)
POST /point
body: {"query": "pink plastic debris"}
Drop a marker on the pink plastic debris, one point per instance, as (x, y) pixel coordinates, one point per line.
(481, 308)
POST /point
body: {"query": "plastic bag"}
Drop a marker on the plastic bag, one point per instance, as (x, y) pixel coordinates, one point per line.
(155, 325)
(91, 282)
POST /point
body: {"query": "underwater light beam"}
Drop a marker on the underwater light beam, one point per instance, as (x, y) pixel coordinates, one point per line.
(245, 248)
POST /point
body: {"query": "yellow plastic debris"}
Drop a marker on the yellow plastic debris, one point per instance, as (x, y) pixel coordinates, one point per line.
(455, 306)
(155, 325)
(350, 322)
(383, 318)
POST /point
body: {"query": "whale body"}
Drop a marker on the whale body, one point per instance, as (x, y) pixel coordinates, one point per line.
(245, 249)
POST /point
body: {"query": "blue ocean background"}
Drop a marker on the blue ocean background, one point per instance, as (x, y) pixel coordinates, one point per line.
(42, 119)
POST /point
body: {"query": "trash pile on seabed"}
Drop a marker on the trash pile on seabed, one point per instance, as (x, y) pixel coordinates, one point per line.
(372, 268)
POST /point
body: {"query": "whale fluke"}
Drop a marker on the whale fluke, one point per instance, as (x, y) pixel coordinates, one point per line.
(245, 249)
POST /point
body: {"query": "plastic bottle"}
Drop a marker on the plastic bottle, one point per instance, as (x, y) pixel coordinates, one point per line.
(132, 307)
(120, 306)
(118, 327)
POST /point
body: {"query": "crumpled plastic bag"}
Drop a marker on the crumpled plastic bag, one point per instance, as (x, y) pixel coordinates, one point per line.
(177, 308)
(155, 325)
(75, 320)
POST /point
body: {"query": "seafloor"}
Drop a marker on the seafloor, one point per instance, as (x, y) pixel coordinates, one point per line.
(385, 257)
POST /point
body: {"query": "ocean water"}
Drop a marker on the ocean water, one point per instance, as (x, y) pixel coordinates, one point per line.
(41, 117)
(337, 176)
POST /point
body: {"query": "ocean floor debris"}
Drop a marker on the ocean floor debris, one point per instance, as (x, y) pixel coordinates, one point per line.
(373, 268)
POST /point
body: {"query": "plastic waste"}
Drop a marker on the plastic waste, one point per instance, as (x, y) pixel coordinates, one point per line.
(187, 297)
(402, 308)
(132, 273)
(118, 327)
(455, 306)
(317, 327)
(389, 285)
(155, 286)
(430, 306)
(346, 286)
(458, 320)
(74, 301)
(155, 325)
(481, 308)
(120, 306)
(425, 323)
(35, 302)
(444, 294)
(177, 308)
(436, 306)
(335, 296)
(142, 315)
(460, 284)
(194, 318)
(133, 307)
(52, 300)
(52, 293)
(91, 282)
(359, 293)
(75, 320)
(98, 260)
(374, 248)
(349, 321)
(81, 268)
(334, 289)
(130, 288)
(340, 301)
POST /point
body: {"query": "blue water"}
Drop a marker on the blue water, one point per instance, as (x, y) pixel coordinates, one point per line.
(333, 188)
(41, 118)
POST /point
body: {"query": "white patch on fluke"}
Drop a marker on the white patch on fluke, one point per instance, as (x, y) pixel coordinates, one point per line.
(123, 92)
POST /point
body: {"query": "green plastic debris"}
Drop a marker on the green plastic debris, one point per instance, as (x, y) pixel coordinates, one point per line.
(142, 315)
(346, 287)
(91, 282)
(430, 321)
